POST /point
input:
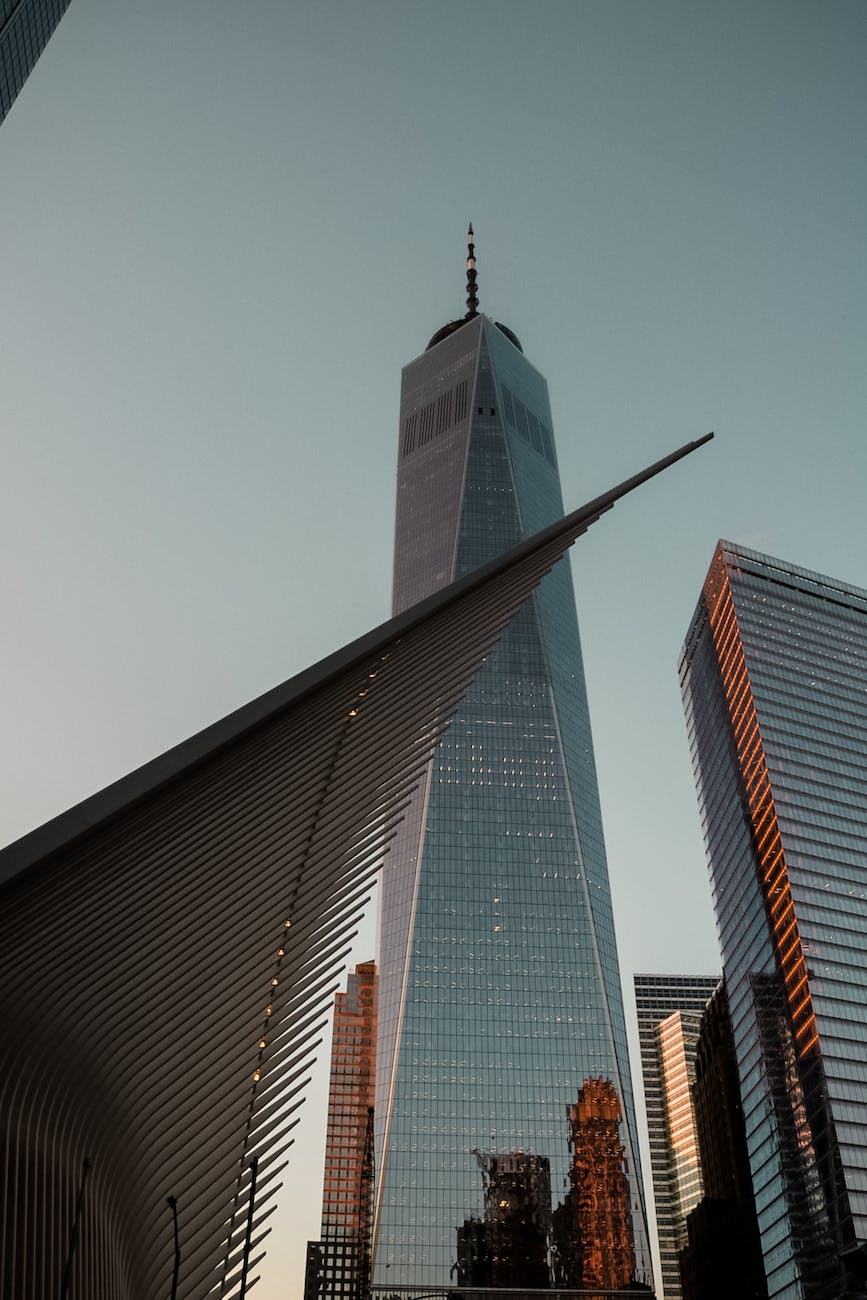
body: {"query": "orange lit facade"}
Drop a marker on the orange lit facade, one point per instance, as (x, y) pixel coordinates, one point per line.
(773, 676)
(341, 1260)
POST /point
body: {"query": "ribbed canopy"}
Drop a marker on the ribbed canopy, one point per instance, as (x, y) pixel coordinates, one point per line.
(169, 949)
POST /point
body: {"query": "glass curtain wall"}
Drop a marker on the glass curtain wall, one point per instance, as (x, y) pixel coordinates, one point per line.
(773, 676)
(500, 995)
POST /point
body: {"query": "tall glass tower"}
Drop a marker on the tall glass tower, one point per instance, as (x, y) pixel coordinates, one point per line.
(25, 26)
(500, 997)
(773, 673)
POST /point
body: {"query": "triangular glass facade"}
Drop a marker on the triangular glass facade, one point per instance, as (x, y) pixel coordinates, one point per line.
(500, 996)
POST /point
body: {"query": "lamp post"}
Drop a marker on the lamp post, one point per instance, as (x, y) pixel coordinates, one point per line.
(172, 1203)
(73, 1236)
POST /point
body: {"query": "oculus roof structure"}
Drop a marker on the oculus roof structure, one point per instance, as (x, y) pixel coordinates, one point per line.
(169, 949)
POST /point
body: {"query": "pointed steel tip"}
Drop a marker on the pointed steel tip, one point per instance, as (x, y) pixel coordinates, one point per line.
(472, 287)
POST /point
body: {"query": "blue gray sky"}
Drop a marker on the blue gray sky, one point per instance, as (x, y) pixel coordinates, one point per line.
(224, 228)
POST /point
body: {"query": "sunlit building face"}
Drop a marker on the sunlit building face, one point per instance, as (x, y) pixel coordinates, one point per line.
(773, 675)
(669, 1012)
(499, 986)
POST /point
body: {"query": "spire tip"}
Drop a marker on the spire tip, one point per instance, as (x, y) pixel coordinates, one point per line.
(472, 288)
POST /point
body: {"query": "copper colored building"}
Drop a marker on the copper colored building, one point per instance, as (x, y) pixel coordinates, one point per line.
(343, 1262)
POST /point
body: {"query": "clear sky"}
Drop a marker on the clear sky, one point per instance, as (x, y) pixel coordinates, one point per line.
(223, 229)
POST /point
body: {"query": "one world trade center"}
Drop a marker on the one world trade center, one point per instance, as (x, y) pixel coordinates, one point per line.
(506, 1151)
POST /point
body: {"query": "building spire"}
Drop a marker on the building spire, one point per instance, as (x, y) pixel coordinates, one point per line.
(472, 295)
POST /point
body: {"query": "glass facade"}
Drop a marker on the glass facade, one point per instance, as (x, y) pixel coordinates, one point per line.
(669, 1012)
(25, 26)
(500, 996)
(773, 676)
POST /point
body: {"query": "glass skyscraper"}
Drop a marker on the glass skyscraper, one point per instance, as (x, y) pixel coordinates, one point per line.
(774, 678)
(25, 26)
(669, 1013)
(500, 1002)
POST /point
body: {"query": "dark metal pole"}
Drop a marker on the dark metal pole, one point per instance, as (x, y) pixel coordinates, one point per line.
(172, 1203)
(254, 1165)
(73, 1236)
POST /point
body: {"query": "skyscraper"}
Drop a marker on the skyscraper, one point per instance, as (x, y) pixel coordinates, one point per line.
(25, 26)
(500, 992)
(722, 1257)
(342, 1262)
(773, 676)
(669, 1011)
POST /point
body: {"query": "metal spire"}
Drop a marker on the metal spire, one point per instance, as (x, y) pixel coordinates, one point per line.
(472, 296)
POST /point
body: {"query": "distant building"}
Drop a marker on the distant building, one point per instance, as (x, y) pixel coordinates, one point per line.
(669, 1010)
(340, 1262)
(25, 26)
(773, 674)
(722, 1257)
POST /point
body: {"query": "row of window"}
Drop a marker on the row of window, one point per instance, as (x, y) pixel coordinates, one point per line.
(525, 423)
(434, 418)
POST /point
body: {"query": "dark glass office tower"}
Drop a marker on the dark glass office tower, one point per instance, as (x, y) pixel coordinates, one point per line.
(774, 677)
(669, 1012)
(500, 993)
(25, 26)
